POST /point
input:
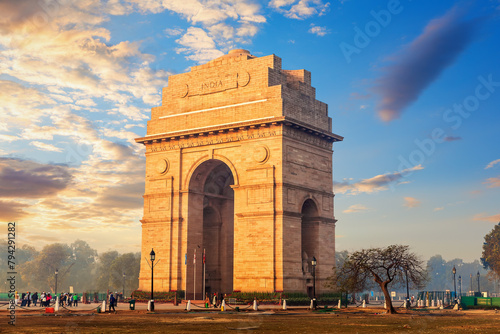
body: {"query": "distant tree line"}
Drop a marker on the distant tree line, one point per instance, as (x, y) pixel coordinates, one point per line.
(78, 265)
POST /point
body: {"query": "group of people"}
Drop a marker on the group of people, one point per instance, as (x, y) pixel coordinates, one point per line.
(68, 299)
(26, 299)
(216, 300)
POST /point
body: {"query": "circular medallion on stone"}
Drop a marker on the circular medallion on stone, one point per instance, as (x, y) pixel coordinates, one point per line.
(184, 90)
(243, 78)
(162, 166)
(261, 154)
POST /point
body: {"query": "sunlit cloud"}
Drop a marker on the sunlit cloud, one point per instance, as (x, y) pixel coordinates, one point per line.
(423, 60)
(45, 147)
(374, 184)
(11, 210)
(491, 219)
(493, 182)
(355, 208)
(411, 202)
(438, 209)
(492, 164)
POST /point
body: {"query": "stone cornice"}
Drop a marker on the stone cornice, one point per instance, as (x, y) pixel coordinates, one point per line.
(241, 126)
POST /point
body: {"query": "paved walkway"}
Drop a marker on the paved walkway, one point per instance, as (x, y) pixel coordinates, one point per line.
(195, 306)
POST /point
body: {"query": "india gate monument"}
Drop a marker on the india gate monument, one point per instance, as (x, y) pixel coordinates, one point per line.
(239, 165)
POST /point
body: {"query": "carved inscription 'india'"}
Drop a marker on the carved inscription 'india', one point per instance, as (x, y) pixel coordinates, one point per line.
(212, 86)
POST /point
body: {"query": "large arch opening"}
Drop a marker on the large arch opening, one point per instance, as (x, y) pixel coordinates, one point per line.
(309, 239)
(211, 212)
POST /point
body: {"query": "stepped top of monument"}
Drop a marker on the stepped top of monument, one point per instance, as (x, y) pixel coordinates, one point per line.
(232, 56)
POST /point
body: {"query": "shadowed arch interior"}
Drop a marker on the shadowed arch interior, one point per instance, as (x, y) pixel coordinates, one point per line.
(212, 199)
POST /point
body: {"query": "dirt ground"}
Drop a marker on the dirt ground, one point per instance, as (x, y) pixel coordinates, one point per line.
(273, 321)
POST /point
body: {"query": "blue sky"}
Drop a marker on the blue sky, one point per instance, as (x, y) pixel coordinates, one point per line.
(413, 86)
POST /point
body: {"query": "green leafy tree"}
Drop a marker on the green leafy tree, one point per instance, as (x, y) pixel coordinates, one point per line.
(81, 275)
(381, 267)
(491, 250)
(129, 265)
(39, 273)
(104, 275)
(112, 266)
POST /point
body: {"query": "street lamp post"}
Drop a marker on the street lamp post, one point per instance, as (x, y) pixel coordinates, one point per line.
(460, 286)
(55, 289)
(152, 302)
(123, 285)
(478, 286)
(471, 289)
(454, 271)
(313, 262)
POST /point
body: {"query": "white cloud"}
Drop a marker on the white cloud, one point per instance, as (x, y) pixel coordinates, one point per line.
(374, 184)
(173, 31)
(438, 209)
(45, 147)
(301, 9)
(8, 138)
(317, 30)
(198, 45)
(493, 163)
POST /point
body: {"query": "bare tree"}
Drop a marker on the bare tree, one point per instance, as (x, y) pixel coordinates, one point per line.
(367, 268)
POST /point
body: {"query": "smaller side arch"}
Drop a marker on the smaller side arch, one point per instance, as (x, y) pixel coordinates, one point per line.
(304, 199)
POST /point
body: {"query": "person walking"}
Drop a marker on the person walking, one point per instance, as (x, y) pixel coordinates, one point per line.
(112, 301)
(214, 301)
(35, 298)
(75, 300)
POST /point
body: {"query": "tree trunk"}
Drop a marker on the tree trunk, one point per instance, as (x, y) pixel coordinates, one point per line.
(388, 301)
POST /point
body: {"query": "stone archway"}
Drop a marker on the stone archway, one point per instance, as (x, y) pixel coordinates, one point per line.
(239, 163)
(211, 227)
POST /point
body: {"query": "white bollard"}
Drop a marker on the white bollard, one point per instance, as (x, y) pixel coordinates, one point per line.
(255, 307)
(284, 304)
(340, 305)
(103, 309)
(432, 303)
(364, 304)
(312, 305)
(56, 307)
(223, 305)
(188, 306)
(404, 304)
(427, 303)
(385, 304)
(376, 298)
